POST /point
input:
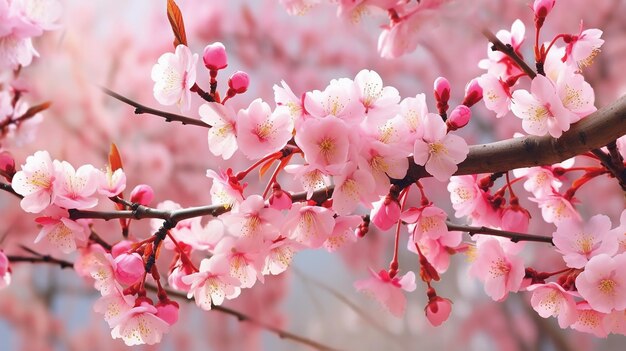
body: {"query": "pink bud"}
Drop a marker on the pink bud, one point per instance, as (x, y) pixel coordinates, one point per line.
(543, 7)
(142, 194)
(280, 200)
(239, 82)
(168, 311)
(442, 90)
(214, 56)
(129, 268)
(386, 213)
(515, 218)
(175, 279)
(121, 247)
(438, 310)
(7, 165)
(4, 264)
(459, 117)
(473, 93)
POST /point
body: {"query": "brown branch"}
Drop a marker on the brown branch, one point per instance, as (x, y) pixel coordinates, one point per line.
(508, 50)
(9, 189)
(514, 236)
(617, 170)
(169, 117)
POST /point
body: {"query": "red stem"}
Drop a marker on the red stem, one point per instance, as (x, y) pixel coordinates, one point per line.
(393, 265)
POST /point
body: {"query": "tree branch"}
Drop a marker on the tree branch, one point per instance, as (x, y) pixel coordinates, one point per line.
(514, 236)
(169, 117)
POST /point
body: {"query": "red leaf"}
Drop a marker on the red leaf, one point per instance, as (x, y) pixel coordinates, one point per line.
(176, 21)
(115, 160)
(266, 166)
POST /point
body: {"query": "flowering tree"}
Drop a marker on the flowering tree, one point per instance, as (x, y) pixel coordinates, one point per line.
(350, 167)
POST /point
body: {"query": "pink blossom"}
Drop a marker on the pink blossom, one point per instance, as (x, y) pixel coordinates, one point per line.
(555, 208)
(541, 181)
(111, 183)
(279, 256)
(580, 242)
(298, 7)
(388, 291)
(413, 110)
(603, 283)
(142, 194)
(16, 51)
(541, 109)
(438, 310)
(225, 190)
(325, 143)
(499, 64)
(113, 306)
(437, 251)
(379, 102)
(245, 259)
(41, 13)
(438, 151)
(61, 233)
(401, 37)
(5, 271)
(352, 188)
(139, 325)
(590, 320)
(129, 268)
(515, 218)
(205, 237)
(214, 56)
(551, 300)
(427, 221)
(383, 161)
(496, 94)
(173, 76)
(620, 233)
(311, 177)
(309, 225)
(465, 195)
(500, 271)
(212, 283)
(343, 232)
(74, 188)
(280, 199)
(584, 47)
(339, 99)
(575, 93)
(223, 132)
(252, 220)
(35, 182)
(261, 132)
(386, 212)
(284, 97)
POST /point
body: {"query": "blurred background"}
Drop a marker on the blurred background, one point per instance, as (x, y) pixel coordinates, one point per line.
(115, 43)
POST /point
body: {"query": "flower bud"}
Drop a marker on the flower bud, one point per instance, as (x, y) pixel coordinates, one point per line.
(442, 90)
(438, 310)
(129, 268)
(473, 93)
(239, 82)
(167, 310)
(386, 213)
(459, 117)
(142, 194)
(214, 56)
(280, 200)
(121, 247)
(543, 7)
(7, 165)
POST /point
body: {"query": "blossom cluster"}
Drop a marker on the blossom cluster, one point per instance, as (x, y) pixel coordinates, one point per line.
(20, 22)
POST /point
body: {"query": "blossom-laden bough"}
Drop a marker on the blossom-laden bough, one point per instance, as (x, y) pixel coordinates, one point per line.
(352, 145)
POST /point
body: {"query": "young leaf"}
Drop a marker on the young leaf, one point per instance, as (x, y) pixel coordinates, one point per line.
(176, 21)
(115, 160)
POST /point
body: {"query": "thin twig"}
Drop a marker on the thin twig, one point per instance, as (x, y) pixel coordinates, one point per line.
(615, 169)
(514, 236)
(169, 117)
(509, 51)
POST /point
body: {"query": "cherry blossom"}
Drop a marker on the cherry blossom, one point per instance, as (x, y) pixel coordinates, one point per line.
(324, 143)
(112, 183)
(223, 132)
(139, 325)
(252, 220)
(438, 310)
(35, 182)
(261, 132)
(438, 151)
(551, 300)
(603, 283)
(590, 320)
(500, 271)
(387, 290)
(309, 225)
(58, 232)
(212, 283)
(555, 208)
(496, 94)
(379, 102)
(579, 242)
(352, 187)
(245, 258)
(541, 109)
(74, 188)
(339, 99)
(498, 64)
(584, 47)
(427, 221)
(386, 212)
(113, 306)
(173, 75)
